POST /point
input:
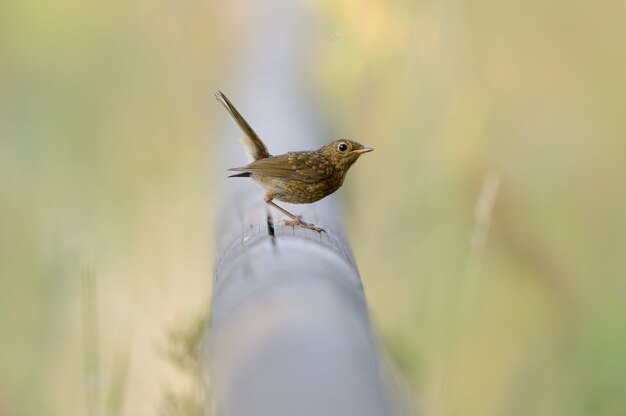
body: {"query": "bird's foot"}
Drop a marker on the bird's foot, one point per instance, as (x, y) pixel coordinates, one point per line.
(300, 223)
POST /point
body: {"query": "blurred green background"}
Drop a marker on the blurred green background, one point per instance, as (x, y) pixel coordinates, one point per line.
(489, 225)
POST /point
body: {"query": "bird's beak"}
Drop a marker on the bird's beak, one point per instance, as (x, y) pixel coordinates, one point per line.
(364, 150)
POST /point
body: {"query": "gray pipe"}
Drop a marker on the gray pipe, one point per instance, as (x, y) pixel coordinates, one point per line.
(289, 332)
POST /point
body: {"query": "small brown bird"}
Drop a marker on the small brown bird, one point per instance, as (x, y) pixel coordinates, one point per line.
(295, 177)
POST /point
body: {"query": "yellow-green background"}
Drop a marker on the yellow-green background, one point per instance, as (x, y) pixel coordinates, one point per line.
(107, 131)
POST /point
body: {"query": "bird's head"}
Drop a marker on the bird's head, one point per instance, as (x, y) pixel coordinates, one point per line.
(343, 153)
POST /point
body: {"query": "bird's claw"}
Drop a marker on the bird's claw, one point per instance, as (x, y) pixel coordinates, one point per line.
(303, 224)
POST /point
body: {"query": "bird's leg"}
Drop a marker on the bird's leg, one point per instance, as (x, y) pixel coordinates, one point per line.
(268, 199)
(296, 220)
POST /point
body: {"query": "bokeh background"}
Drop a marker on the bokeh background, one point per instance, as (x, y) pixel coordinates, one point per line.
(489, 225)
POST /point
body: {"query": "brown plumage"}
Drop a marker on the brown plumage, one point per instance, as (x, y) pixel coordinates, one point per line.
(295, 177)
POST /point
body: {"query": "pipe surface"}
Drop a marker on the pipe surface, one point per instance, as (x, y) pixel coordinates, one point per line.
(289, 332)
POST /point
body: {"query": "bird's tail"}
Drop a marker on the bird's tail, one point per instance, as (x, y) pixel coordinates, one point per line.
(254, 146)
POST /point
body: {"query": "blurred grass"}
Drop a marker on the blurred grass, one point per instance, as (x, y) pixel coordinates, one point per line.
(104, 146)
(105, 152)
(447, 92)
(182, 350)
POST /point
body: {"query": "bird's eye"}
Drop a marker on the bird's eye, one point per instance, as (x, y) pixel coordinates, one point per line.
(342, 147)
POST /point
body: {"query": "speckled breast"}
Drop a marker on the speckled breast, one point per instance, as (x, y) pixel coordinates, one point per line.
(300, 192)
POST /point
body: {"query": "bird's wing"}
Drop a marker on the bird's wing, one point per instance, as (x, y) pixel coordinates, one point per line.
(291, 166)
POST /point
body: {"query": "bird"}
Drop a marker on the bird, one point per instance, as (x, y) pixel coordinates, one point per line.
(299, 177)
